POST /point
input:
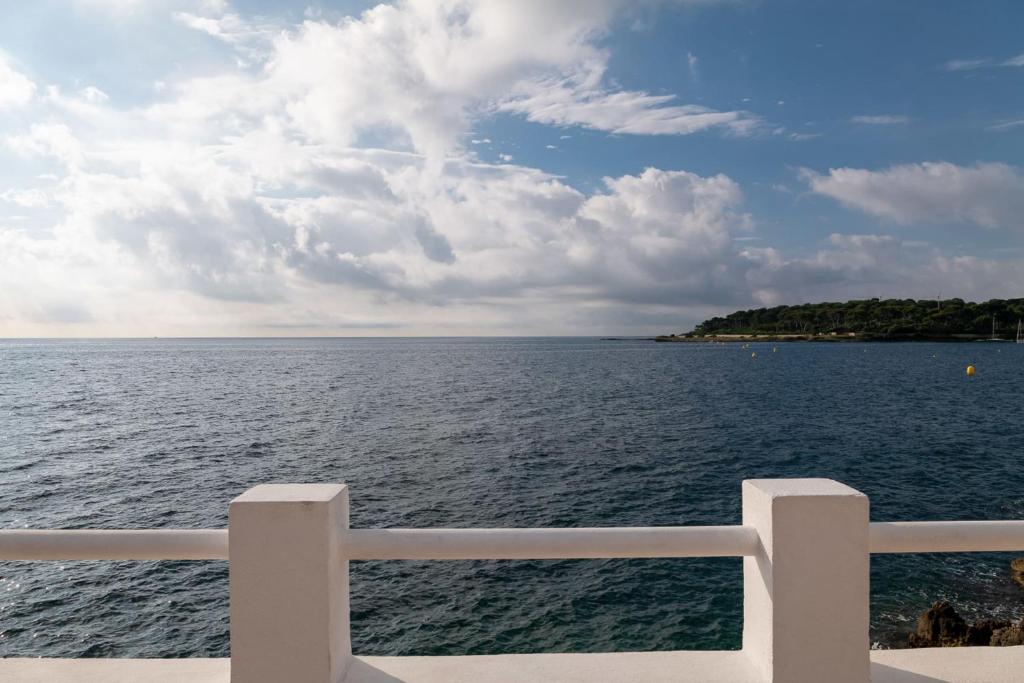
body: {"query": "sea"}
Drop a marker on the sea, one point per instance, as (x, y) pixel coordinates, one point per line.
(510, 432)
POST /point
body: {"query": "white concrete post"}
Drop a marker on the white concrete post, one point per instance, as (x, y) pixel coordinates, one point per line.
(805, 594)
(289, 584)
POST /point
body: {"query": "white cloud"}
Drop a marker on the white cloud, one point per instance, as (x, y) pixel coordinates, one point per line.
(251, 41)
(28, 198)
(129, 8)
(986, 194)
(624, 112)
(966, 64)
(873, 265)
(691, 63)
(972, 64)
(325, 179)
(93, 94)
(117, 6)
(881, 120)
(1007, 125)
(53, 140)
(16, 89)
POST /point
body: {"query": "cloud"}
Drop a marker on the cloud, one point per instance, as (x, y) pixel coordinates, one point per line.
(336, 81)
(54, 140)
(251, 41)
(881, 120)
(1007, 125)
(876, 265)
(116, 6)
(624, 112)
(28, 198)
(93, 94)
(972, 64)
(691, 63)
(16, 89)
(966, 64)
(990, 195)
(129, 8)
(326, 172)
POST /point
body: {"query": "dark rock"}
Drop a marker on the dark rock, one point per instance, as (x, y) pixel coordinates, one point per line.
(1017, 570)
(939, 626)
(1010, 635)
(980, 632)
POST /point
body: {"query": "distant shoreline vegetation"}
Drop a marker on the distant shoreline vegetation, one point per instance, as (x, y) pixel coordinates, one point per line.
(865, 319)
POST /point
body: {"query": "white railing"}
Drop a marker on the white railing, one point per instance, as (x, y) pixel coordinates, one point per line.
(114, 544)
(550, 544)
(946, 537)
(806, 544)
(503, 543)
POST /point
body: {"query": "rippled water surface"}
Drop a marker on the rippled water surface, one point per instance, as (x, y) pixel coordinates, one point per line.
(495, 432)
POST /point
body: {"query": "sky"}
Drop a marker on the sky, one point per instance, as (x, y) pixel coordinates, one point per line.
(488, 167)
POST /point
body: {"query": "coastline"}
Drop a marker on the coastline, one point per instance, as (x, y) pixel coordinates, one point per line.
(849, 337)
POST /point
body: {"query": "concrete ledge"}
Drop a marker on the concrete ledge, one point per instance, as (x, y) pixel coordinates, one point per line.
(115, 670)
(948, 665)
(617, 667)
(938, 665)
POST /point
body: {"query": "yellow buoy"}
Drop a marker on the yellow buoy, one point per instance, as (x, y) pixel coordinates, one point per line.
(970, 371)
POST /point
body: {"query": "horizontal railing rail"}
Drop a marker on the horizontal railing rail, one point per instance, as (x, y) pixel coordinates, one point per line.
(946, 537)
(503, 543)
(550, 544)
(114, 544)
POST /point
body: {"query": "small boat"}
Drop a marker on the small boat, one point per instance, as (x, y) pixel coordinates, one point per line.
(1020, 333)
(997, 339)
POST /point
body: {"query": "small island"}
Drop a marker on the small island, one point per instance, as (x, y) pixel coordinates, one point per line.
(866, 320)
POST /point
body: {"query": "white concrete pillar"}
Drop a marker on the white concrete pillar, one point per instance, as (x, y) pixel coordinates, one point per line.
(805, 594)
(289, 584)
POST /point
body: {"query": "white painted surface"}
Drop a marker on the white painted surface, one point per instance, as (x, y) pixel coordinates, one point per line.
(619, 667)
(115, 670)
(289, 584)
(947, 537)
(806, 544)
(450, 544)
(805, 595)
(949, 665)
(114, 544)
(540, 544)
(943, 665)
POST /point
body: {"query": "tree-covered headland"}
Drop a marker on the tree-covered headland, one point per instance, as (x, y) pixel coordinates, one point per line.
(893, 319)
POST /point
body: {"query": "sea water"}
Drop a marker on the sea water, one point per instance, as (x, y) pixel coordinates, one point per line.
(490, 433)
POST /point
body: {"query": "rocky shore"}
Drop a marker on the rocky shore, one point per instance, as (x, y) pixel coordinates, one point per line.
(941, 626)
